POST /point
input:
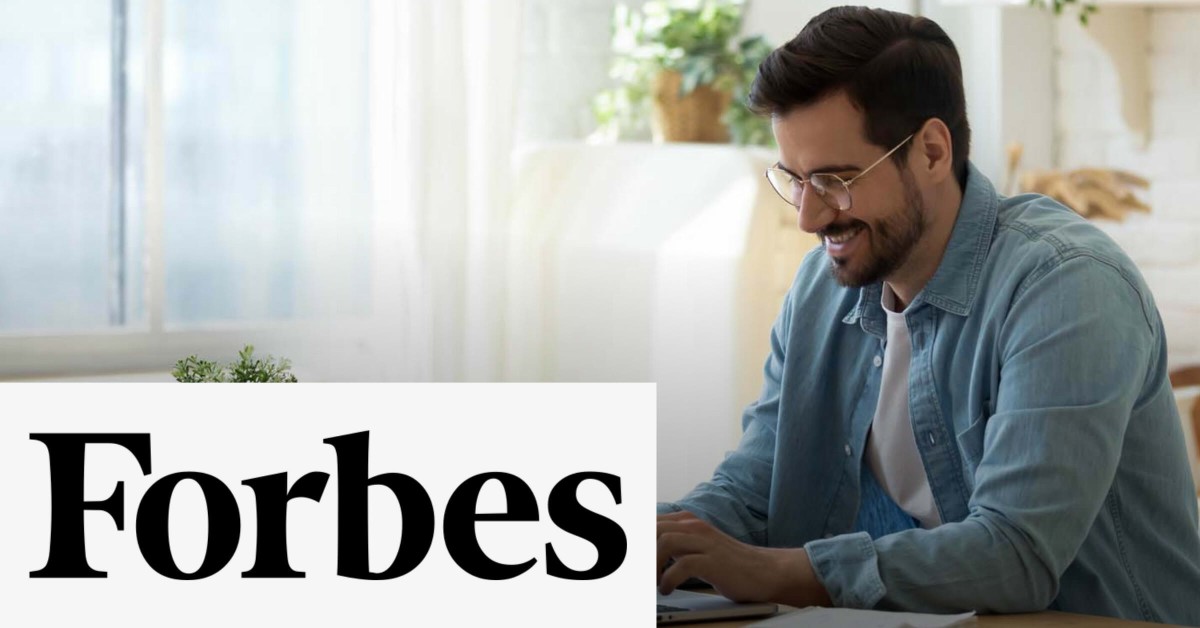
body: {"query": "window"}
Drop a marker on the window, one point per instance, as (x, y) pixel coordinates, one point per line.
(171, 165)
(265, 186)
(56, 164)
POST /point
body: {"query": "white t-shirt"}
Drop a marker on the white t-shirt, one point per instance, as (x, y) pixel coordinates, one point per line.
(891, 446)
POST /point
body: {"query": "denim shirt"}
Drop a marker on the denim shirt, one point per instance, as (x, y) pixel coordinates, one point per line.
(1042, 411)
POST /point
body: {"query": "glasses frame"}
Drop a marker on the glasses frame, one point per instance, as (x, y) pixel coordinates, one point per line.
(845, 184)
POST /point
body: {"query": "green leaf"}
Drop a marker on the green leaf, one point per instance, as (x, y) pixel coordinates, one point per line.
(194, 370)
(247, 369)
(697, 38)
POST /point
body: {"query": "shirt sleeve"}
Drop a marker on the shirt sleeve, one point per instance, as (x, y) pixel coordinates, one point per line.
(1076, 349)
(735, 499)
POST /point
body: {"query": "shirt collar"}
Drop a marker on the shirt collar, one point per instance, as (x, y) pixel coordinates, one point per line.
(955, 284)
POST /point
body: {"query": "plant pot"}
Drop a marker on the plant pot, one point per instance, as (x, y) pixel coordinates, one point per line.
(695, 117)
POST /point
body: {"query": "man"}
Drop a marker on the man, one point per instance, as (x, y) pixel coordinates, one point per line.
(966, 404)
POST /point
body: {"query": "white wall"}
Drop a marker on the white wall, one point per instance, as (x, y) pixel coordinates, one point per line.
(564, 63)
(1093, 130)
(781, 20)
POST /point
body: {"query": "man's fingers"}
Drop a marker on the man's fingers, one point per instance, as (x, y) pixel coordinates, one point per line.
(676, 516)
(679, 543)
(690, 525)
(684, 567)
(675, 544)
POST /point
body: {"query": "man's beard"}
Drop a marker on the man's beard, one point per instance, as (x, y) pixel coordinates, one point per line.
(892, 241)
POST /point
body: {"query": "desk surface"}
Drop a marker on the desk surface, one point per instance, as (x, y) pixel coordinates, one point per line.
(1048, 619)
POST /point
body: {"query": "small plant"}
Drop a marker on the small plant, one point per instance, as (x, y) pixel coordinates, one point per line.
(1086, 9)
(693, 37)
(247, 369)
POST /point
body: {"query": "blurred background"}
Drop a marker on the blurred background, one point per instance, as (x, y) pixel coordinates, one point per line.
(508, 190)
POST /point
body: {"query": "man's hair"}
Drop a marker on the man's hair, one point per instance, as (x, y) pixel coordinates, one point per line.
(900, 70)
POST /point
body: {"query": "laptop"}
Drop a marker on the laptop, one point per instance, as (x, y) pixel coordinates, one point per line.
(687, 606)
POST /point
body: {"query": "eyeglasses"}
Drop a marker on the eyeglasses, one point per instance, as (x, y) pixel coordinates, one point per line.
(832, 189)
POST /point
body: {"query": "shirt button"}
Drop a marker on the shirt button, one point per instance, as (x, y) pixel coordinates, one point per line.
(932, 440)
(848, 450)
(878, 362)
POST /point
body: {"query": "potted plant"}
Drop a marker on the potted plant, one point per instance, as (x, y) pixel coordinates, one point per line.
(191, 370)
(683, 73)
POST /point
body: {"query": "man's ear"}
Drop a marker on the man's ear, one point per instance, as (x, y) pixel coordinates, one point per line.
(933, 151)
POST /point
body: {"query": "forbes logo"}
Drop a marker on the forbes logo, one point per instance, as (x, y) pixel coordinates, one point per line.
(68, 555)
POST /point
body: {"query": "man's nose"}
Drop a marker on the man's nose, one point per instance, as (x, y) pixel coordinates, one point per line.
(812, 213)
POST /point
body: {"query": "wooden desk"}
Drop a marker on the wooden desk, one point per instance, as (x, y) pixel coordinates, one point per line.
(1047, 619)
(1051, 618)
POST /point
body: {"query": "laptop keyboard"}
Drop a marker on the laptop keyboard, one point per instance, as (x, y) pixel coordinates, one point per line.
(664, 608)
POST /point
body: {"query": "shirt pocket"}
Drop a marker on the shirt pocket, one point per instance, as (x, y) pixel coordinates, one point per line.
(970, 442)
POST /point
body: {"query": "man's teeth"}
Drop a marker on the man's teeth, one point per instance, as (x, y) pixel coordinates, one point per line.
(844, 236)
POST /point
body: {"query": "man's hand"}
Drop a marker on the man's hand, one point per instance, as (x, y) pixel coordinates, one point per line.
(740, 572)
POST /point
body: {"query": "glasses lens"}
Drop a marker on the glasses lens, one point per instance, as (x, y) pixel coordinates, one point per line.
(832, 190)
(785, 185)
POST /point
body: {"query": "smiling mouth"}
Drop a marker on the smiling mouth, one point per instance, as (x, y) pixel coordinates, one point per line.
(843, 236)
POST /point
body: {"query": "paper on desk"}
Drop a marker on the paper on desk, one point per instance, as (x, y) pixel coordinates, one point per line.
(854, 618)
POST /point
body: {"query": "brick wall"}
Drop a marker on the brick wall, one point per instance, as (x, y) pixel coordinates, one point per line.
(1093, 131)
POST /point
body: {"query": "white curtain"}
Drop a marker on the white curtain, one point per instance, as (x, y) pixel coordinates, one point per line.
(446, 78)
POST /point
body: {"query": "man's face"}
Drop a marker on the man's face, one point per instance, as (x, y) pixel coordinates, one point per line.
(873, 239)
